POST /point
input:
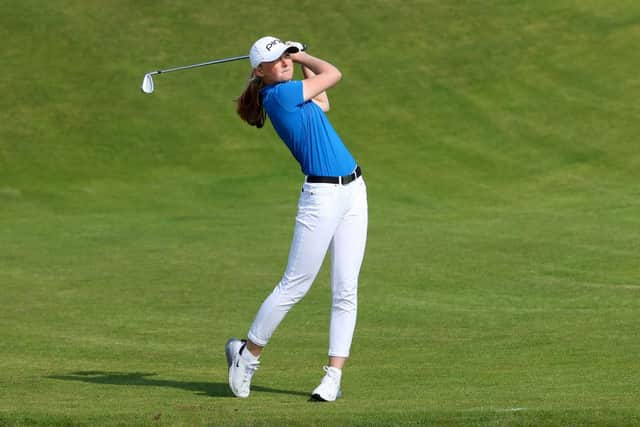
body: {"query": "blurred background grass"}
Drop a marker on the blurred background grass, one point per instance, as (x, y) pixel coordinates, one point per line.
(499, 143)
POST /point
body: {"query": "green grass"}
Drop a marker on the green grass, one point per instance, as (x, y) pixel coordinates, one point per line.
(137, 233)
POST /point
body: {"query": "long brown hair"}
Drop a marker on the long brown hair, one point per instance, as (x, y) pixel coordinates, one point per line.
(249, 103)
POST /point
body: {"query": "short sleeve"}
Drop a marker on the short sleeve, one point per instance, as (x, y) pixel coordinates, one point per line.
(289, 94)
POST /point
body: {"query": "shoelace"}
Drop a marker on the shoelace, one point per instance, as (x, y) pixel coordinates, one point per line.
(328, 376)
(249, 370)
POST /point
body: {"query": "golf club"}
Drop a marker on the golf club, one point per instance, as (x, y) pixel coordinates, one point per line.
(147, 82)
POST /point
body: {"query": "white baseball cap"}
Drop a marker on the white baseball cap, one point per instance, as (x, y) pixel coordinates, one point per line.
(268, 49)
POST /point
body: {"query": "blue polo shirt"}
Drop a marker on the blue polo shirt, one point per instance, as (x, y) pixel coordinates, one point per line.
(306, 131)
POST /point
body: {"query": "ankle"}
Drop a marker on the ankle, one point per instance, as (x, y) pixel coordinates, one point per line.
(334, 372)
(253, 348)
(247, 355)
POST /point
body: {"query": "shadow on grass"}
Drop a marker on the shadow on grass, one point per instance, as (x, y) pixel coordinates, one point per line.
(144, 379)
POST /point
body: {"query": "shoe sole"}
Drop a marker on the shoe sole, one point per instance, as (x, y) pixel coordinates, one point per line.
(317, 398)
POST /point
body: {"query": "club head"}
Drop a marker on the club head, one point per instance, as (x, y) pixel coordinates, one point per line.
(147, 84)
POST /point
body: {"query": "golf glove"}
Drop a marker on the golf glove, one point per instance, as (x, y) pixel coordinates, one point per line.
(301, 47)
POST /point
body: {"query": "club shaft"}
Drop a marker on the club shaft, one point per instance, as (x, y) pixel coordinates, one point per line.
(202, 64)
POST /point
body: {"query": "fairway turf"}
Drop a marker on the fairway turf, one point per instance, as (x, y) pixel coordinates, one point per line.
(139, 232)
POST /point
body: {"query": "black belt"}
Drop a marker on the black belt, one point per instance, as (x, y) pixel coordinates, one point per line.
(344, 180)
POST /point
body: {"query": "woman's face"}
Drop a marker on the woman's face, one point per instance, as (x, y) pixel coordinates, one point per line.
(280, 70)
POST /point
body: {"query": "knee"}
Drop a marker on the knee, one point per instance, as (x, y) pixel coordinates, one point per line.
(345, 300)
(293, 289)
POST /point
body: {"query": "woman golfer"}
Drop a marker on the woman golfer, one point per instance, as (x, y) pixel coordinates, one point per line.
(332, 209)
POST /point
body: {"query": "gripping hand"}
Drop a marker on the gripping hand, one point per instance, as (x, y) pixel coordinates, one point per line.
(300, 46)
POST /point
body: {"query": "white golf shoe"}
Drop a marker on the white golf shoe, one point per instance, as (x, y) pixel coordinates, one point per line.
(241, 368)
(329, 388)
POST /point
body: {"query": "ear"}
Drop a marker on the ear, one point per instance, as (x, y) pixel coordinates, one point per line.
(258, 71)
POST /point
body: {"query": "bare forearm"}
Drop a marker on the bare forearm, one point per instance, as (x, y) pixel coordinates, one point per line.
(306, 71)
(320, 75)
(317, 65)
(322, 99)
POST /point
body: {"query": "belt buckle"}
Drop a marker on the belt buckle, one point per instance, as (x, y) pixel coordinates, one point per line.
(347, 179)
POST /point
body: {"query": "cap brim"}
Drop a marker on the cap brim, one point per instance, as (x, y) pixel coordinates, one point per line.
(280, 50)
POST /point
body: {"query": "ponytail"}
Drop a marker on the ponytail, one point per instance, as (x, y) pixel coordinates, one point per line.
(249, 103)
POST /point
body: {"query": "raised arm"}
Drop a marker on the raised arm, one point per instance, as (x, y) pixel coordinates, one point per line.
(319, 76)
(322, 99)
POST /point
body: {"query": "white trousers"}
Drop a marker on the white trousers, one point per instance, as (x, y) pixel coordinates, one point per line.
(330, 217)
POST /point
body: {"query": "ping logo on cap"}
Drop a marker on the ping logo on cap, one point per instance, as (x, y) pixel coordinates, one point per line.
(272, 43)
(266, 49)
